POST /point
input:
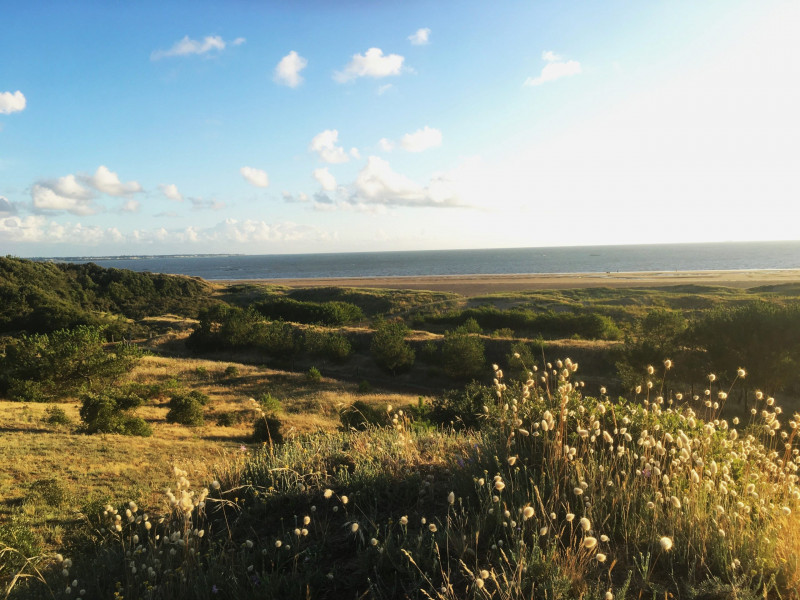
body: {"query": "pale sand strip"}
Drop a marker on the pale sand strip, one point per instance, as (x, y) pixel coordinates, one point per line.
(476, 285)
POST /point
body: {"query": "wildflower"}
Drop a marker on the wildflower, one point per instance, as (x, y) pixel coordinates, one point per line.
(604, 538)
(345, 499)
(248, 543)
(451, 498)
(603, 390)
(432, 527)
(543, 531)
(668, 364)
(373, 542)
(404, 520)
(740, 372)
(353, 527)
(569, 517)
(589, 542)
(499, 485)
(601, 557)
(527, 512)
(586, 524)
(278, 543)
(650, 369)
(215, 484)
(512, 460)
(578, 491)
(479, 583)
(609, 595)
(666, 543)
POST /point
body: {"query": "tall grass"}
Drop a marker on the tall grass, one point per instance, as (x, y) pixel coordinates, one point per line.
(561, 494)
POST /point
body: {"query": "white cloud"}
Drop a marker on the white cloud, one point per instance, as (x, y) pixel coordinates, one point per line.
(288, 70)
(324, 144)
(37, 228)
(377, 183)
(10, 103)
(256, 177)
(384, 88)
(201, 204)
(108, 182)
(46, 198)
(355, 153)
(291, 198)
(170, 190)
(238, 41)
(188, 46)
(422, 139)
(6, 208)
(372, 63)
(325, 179)
(556, 68)
(420, 37)
(386, 145)
(131, 206)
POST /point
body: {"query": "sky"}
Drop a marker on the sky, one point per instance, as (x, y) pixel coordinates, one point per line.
(264, 127)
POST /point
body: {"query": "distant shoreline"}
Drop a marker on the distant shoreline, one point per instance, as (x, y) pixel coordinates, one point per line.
(476, 285)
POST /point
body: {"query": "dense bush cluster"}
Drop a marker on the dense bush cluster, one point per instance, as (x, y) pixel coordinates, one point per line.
(40, 297)
(44, 367)
(330, 313)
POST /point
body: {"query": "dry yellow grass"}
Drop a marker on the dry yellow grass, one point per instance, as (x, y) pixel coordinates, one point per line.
(48, 472)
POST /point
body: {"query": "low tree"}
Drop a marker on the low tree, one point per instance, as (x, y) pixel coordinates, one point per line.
(45, 367)
(389, 347)
(463, 354)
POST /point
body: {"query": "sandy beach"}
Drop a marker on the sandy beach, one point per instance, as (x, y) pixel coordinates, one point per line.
(476, 285)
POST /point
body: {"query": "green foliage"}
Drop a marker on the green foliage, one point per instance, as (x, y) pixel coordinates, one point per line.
(40, 297)
(269, 403)
(364, 387)
(110, 413)
(187, 409)
(314, 375)
(327, 344)
(326, 313)
(360, 415)
(389, 348)
(762, 336)
(44, 367)
(461, 408)
(463, 354)
(231, 371)
(55, 415)
(589, 325)
(267, 430)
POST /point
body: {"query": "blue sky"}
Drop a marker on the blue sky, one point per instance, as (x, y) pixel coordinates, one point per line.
(266, 127)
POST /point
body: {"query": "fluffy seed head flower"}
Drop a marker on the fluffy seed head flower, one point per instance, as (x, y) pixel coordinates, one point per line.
(499, 485)
(327, 493)
(345, 499)
(353, 527)
(666, 543)
(601, 557)
(589, 542)
(527, 512)
(451, 498)
(569, 517)
(586, 524)
(741, 372)
(479, 583)
(404, 520)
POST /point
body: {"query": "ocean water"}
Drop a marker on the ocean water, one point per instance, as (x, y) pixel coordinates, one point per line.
(583, 259)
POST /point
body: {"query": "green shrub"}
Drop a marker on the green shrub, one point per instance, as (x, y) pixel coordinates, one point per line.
(187, 409)
(461, 408)
(267, 429)
(55, 415)
(201, 373)
(389, 348)
(106, 413)
(364, 387)
(314, 375)
(269, 403)
(463, 354)
(360, 415)
(231, 371)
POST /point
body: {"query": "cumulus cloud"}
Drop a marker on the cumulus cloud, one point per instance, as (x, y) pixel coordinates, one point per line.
(288, 70)
(421, 140)
(170, 190)
(188, 47)
(386, 145)
(373, 63)
(256, 177)
(63, 194)
(324, 144)
(6, 208)
(37, 228)
(325, 179)
(384, 88)
(292, 198)
(420, 37)
(10, 103)
(377, 183)
(108, 182)
(556, 68)
(201, 204)
(130, 206)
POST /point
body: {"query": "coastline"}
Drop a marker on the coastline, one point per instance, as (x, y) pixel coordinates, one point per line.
(478, 285)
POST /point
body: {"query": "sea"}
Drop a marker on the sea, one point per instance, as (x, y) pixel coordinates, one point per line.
(576, 259)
